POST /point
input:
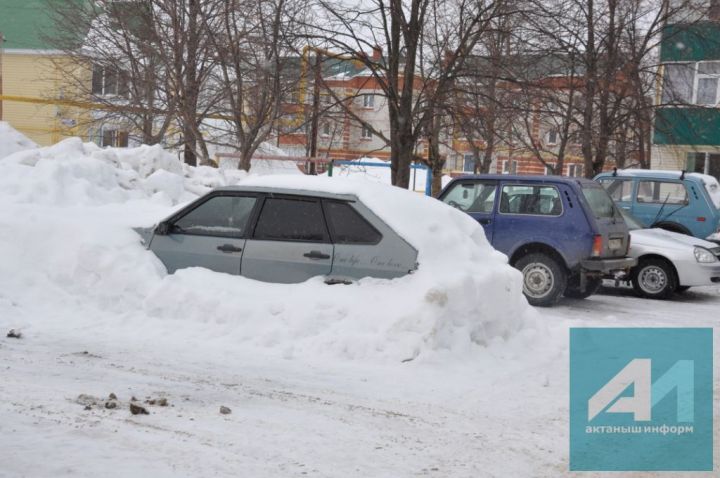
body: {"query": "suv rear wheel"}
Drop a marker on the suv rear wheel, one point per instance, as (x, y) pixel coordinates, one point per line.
(544, 279)
(654, 278)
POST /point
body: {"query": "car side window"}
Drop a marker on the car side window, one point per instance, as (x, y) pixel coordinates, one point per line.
(472, 196)
(285, 219)
(620, 190)
(348, 226)
(530, 200)
(224, 216)
(661, 192)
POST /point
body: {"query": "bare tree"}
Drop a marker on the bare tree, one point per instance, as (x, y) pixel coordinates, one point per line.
(251, 73)
(425, 45)
(112, 66)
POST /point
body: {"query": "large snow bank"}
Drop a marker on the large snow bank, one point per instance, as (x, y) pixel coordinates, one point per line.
(76, 173)
(12, 141)
(69, 258)
(380, 173)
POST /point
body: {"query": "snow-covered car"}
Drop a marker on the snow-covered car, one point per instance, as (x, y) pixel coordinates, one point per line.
(282, 235)
(668, 261)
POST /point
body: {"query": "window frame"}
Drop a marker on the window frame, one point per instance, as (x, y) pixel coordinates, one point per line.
(510, 163)
(705, 76)
(184, 212)
(364, 129)
(331, 226)
(504, 185)
(369, 101)
(264, 197)
(550, 133)
(622, 180)
(660, 201)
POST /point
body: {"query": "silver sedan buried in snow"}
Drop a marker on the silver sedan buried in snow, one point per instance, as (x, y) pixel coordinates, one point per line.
(281, 235)
(670, 262)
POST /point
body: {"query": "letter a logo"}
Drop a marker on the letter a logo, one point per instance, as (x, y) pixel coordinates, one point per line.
(636, 373)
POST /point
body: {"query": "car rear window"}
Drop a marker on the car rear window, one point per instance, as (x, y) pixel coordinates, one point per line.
(348, 226)
(600, 203)
(291, 220)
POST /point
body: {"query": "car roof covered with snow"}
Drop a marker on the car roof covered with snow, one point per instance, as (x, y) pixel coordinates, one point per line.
(529, 178)
(289, 191)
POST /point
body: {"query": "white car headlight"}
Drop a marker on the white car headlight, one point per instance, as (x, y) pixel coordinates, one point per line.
(703, 255)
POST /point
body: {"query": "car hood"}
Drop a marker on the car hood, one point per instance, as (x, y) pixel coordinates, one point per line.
(145, 234)
(657, 237)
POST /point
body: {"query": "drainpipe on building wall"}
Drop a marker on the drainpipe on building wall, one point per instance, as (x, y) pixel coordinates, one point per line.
(2, 41)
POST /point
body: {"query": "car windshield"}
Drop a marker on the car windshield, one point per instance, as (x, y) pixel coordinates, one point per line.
(632, 222)
(599, 201)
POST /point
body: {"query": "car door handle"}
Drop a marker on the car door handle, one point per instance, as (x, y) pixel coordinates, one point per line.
(485, 221)
(316, 255)
(229, 248)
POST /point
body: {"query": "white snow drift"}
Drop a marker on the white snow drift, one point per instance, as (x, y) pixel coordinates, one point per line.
(12, 141)
(66, 214)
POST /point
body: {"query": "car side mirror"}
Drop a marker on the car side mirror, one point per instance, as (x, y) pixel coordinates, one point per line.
(162, 229)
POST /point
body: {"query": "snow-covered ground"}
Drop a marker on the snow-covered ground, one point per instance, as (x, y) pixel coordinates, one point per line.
(317, 377)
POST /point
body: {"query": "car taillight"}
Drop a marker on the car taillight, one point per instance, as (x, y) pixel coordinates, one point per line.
(597, 246)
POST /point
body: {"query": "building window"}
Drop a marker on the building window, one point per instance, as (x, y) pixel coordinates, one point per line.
(114, 138)
(708, 73)
(678, 80)
(368, 101)
(326, 129)
(109, 82)
(365, 133)
(469, 163)
(549, 169)
(552, 136)
(575, 170)
(509, 166)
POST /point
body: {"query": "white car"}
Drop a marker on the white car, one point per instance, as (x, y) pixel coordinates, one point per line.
(670, 262)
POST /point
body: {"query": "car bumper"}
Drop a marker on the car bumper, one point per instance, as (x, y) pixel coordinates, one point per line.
(692, 273)
(608, 265)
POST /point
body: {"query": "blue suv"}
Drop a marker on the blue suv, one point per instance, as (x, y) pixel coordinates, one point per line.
(563, 234)
(674, 200)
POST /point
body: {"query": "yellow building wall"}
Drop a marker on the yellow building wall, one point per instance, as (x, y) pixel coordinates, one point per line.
(34, 75)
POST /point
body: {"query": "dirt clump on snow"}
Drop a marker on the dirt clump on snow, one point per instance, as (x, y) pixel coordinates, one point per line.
(14, 334)
(138, 410)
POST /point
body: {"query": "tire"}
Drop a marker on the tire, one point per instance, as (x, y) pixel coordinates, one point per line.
(592, 284)
(682, 289)
(544, 279)
(654, 278)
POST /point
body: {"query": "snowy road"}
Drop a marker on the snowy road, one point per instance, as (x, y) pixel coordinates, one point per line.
(504, 414)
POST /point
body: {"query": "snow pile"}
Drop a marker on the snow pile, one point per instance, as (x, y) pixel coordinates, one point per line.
(66, 215)
(75, 173)
(12, 141)
(381, 173)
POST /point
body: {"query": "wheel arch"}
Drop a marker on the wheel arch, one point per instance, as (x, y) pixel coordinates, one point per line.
(537, 247)
(673, 227)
